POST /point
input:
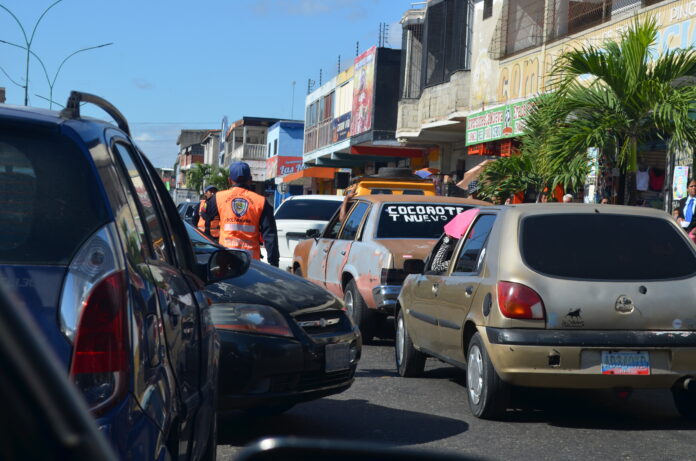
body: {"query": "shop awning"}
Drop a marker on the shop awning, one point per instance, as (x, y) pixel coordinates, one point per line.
(313, 172)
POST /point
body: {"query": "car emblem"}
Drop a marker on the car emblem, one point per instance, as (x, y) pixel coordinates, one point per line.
(321, 323)
(624, 305)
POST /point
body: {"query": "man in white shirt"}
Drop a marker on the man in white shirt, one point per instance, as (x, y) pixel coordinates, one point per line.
(687, 208)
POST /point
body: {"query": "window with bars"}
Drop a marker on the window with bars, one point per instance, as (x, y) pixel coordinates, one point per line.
(525, 25)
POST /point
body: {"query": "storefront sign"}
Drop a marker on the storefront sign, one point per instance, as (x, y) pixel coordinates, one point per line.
(281, 165)
(341, 127)
(502, 122)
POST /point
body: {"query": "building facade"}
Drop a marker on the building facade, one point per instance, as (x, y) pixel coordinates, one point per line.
(474, 106)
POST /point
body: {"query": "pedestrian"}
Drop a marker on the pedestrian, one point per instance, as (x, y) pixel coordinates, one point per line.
(604, 201)
(208, 223)
(246, 218)
(687, 208)
(567, 198)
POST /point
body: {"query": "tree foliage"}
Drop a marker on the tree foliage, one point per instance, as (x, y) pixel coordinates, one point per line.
(201, 175)
(612, 97)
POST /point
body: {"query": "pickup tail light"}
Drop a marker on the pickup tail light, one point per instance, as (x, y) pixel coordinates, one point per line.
(392, 277)
(517, 301)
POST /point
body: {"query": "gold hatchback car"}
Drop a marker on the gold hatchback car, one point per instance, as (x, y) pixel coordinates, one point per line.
(555, 295)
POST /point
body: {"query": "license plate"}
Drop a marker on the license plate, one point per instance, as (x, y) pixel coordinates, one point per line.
(625, 363)
(337, 357)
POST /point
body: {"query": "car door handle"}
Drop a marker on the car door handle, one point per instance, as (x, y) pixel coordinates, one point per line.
(325, 250)
(343, 252)
(435, 288)
(469, 291)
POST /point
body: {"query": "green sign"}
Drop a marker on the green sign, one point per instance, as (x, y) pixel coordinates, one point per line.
(502, 122)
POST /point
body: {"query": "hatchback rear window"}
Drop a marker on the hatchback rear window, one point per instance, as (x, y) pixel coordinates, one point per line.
(606, 247)
(416, 220)
(49, 201)
(314, 210)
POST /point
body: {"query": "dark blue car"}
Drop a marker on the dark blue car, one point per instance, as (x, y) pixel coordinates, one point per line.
(92, 243)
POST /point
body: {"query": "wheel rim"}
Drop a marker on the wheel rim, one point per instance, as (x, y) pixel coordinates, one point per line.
(400, 341)
(349, 304)
(474, 374)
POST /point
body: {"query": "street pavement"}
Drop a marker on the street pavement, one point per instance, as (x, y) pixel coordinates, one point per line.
(431, 413)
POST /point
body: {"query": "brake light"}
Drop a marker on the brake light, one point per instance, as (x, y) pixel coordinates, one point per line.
(100, 361)
(517, 301)
(94, 318)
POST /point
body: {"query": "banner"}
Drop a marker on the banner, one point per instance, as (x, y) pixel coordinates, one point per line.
(502, 122)
(363, 92)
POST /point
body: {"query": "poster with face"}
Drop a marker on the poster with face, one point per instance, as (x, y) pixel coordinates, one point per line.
(363, 89)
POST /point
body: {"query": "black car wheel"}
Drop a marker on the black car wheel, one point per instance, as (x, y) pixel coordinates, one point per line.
(685, 401)
(358, 310)
(409, 361)
(298, 271)
(488, 395)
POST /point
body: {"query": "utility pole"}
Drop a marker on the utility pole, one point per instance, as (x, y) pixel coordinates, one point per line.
(357, 49)
(319, 77)
(339, 63)
(292, 105)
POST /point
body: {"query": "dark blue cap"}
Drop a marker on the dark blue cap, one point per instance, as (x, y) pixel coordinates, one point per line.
(210, 188)
(239, 171)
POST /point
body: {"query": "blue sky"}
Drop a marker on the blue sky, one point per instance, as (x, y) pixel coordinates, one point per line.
(185, 64)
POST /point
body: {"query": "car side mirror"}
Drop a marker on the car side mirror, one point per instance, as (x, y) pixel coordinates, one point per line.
(312, 233)
(226, 264)
(414, 266)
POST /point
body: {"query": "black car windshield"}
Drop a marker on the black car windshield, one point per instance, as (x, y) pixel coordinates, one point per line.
(606, 247)
(50, 199)
(314, 210)
(416, 220)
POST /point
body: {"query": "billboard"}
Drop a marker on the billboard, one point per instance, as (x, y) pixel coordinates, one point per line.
(363, 92)
(280, 165)
(502, 122)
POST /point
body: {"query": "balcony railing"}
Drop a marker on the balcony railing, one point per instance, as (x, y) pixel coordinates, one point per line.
(249, 152)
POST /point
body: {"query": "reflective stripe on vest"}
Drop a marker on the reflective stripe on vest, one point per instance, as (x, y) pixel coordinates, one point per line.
(240, 215)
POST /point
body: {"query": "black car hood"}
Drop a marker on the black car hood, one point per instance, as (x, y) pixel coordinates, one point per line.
(268, 285)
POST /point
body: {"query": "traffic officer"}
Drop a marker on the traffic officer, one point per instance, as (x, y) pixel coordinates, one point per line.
(246, 218)
(207, 223)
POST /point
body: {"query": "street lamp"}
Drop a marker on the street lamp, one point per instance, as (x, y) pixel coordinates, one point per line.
(28, 41)
(51, 83)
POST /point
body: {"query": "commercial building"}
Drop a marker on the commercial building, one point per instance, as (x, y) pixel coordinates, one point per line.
(471, 69)
(284, 158)
(190, 153)
(350, 121)
(245, 141)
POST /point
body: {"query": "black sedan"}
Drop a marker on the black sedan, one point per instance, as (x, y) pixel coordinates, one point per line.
(284, 339)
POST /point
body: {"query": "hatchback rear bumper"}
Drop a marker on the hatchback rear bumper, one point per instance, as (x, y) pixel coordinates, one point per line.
(572, 359)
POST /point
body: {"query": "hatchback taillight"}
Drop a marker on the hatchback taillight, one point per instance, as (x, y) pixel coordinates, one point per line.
(94, 318)
(517, 301)
(100, 361)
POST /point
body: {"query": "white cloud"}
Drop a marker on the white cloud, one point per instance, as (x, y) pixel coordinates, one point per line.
(145, 137)
(143, 84)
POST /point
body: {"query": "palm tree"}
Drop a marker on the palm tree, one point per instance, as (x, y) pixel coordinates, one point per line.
(195, 177)
(619, 95)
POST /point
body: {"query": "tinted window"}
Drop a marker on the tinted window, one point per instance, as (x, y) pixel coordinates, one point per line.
(315, 210)
(334, 226)
(147, 204)
(416, 220)
(605, 247)
(49, 199)
(350, 230)
(471, 253)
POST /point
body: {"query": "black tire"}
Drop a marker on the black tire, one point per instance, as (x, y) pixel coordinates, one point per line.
(487, 394)
(362, 315)
(409, 361)
(298, 271)
(685, 401)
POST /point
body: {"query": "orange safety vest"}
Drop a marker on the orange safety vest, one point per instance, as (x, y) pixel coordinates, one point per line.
(214, 224)
(240, 215)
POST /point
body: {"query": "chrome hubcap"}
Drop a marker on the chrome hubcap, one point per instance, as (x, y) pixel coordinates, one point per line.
(349, 304)
(474, 374)
(400, 341)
